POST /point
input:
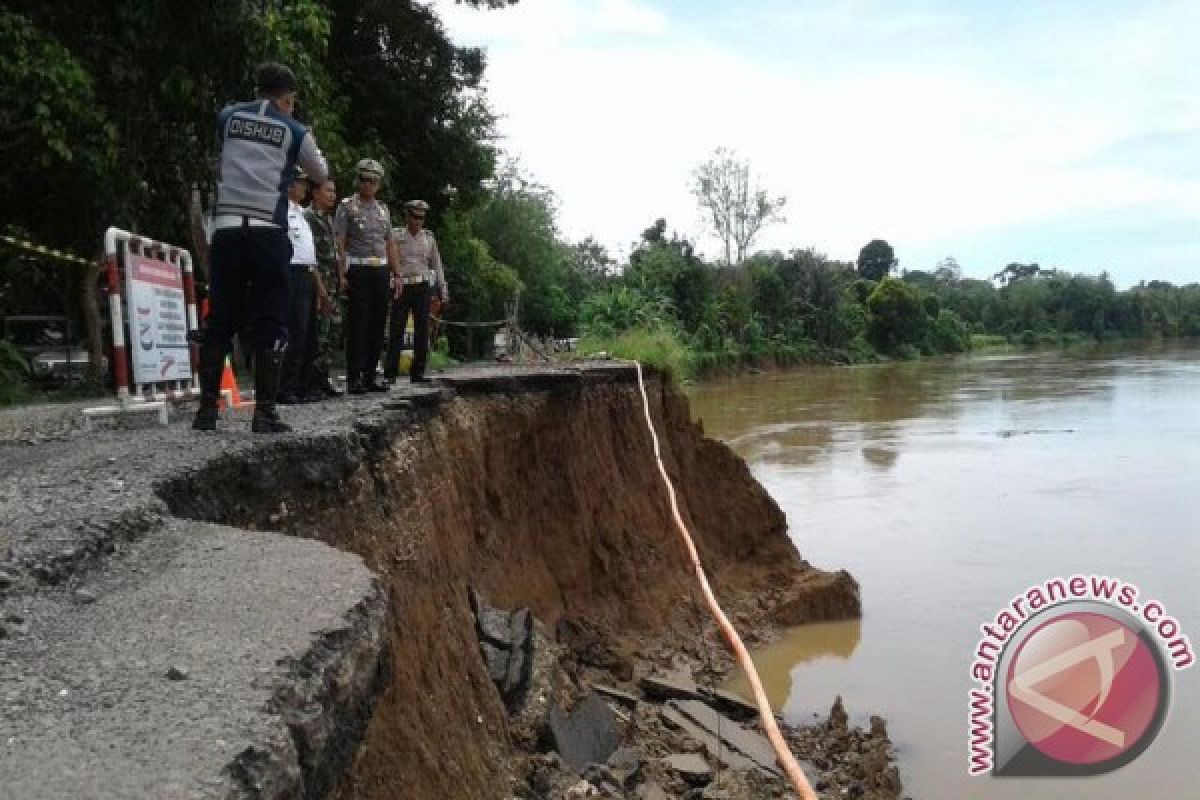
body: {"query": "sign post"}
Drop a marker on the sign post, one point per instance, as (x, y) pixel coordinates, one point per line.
(159, 300)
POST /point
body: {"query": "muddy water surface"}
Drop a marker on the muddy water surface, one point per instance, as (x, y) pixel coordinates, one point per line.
(948, 487)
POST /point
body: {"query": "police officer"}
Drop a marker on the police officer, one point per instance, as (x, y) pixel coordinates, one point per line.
(420, 277)
(302, 308)
(324, 333)
(363, 228)
(260, 144)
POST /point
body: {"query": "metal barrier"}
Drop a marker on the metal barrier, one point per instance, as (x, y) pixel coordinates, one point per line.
(156, 283)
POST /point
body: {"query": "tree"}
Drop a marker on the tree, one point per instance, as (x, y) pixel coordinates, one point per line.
(591, 263)
(876, 260)
(669, 267)
(1016, 272)
(898, 317)
(736, 209)
(50, 125)
(948, 271)
(517, 221)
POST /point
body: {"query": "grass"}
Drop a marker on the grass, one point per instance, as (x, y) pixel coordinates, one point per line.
(661, 348)
(989, 341)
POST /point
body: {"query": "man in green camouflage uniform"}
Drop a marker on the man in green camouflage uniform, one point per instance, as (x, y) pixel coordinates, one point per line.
(328, 330)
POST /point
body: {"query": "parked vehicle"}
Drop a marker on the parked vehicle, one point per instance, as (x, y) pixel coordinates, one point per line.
(48, 343)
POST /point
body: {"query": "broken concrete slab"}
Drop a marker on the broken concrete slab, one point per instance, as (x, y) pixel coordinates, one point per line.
(691, 767)
(669, 685)
(729, 704)
(587, 735)
(652, 791)
(616, 695)
(712, 745)
(733, 736)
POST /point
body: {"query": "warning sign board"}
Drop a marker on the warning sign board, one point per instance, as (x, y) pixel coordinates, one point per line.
(157, 321)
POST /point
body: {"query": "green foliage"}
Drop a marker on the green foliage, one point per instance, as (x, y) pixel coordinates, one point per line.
(897, 317)
(483, 288)
(669, 268)
(49, 126)
(411, 100)
(14, 375)
(622, 308)
(948, 333)
(517, 221)
(876, 260)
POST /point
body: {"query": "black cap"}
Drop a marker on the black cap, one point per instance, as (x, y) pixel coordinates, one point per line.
(275, 79)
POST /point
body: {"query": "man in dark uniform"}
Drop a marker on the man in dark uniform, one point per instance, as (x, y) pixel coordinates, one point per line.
(324, 334)
(363, 228)
(420, 277)
(260, 145)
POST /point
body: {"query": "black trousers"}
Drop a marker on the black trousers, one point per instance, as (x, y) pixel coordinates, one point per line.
(297, 363)
(249, 287)
(415, 300)
(366, 318)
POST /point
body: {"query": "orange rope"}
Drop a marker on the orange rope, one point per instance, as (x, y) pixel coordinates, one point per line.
(782, 753)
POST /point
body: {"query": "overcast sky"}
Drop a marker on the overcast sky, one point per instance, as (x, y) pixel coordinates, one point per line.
(1064, 132)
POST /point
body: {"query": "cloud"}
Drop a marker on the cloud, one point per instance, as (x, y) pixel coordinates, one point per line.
(551, 24)
(931, 127)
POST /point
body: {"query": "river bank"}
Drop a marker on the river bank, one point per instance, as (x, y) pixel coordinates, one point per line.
(533, 489)
(946, 487)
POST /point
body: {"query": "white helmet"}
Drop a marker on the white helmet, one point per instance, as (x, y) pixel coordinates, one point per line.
(369, 166)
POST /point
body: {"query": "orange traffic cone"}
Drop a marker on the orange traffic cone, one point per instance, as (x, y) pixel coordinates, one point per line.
(231, 396)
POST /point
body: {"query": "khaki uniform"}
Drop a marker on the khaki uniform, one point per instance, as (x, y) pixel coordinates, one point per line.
(419, 257)
(420, 270)
(367, 226)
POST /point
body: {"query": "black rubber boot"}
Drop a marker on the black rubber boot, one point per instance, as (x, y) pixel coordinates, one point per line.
(212, 363)
(268, 364)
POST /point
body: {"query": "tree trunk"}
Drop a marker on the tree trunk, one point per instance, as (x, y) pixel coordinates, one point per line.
(199, 239)
(89, 304)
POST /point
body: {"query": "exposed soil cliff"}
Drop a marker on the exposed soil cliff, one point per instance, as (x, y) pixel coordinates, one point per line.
(539, 494)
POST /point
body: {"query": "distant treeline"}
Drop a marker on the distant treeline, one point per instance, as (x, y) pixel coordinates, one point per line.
(107, 114)
(777, 309)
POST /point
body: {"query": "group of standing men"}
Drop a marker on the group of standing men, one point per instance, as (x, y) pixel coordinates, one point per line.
(279, 269)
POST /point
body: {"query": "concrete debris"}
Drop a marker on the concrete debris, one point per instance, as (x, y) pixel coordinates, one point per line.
(625, 699)
(507, 643)
(730, 704)
(691, 767)
(668, 686)
(586, 735)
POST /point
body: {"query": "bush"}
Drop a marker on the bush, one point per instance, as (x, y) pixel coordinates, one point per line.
(988, 341)
(897, 317)
(949, 334)
(661, 348)
(14, 375)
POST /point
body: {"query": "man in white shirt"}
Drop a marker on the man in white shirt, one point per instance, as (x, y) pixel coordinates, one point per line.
(298, 360)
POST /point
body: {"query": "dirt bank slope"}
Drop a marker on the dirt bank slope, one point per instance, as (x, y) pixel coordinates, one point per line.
(539, 492)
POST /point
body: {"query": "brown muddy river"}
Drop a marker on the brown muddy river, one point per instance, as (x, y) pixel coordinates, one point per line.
(949, 486)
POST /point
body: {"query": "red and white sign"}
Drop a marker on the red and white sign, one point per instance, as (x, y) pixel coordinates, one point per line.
(158, 319)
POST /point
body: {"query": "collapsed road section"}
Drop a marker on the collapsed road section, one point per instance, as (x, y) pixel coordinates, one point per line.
(222, 615)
